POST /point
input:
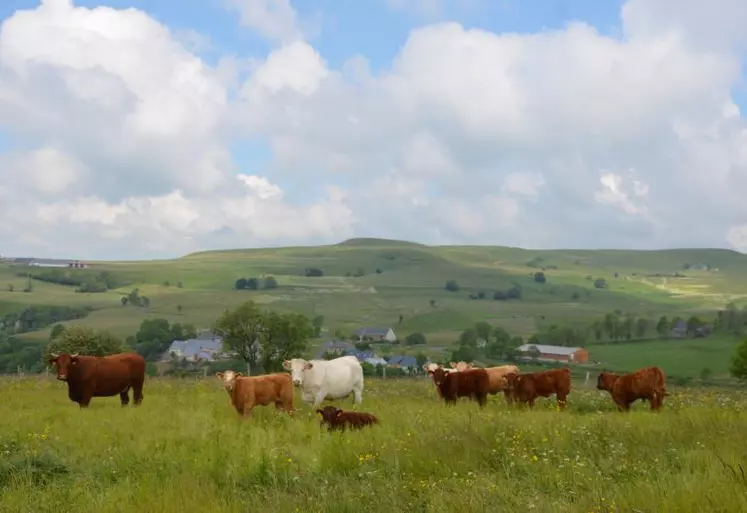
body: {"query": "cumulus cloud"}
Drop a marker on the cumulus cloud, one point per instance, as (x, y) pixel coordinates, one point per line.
(560, 138)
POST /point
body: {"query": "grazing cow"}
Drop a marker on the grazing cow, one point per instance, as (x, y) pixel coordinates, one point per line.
(648, 384)
(101, 376)
(499, 382)
(339, 419)
(527, 387)
(473, 383)
(246, 392)
(327, 379)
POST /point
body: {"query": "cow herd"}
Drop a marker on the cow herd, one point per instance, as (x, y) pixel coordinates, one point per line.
(319, 380)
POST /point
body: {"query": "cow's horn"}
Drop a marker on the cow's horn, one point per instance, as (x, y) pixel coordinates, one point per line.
(74, 355)
(54, 355)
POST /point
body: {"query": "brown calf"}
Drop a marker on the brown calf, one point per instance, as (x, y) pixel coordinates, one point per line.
(473, 383)
(246, 392)
(527, 387)
(647, 384)
(339, 419)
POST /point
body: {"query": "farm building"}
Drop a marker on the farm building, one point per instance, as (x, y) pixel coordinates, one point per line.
(554, 353)
(376, 333)
(195, 349)
(50, 262)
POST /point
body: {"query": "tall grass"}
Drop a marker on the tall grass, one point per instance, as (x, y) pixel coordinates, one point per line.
(185, 450)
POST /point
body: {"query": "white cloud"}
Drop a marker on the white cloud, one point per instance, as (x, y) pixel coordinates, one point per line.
(559, 138)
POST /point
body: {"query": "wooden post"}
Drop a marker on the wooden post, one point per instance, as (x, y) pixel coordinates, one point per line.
(586, 383)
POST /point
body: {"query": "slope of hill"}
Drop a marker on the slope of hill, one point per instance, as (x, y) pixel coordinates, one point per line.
(374, 281)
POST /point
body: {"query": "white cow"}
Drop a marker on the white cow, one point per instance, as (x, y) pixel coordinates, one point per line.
(327, 379)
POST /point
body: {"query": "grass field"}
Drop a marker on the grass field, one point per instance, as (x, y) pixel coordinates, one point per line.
(411, 284)
(184, 450)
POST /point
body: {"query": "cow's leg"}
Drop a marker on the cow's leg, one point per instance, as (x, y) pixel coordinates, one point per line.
(124, 396)
(320, 395)
(482, 400)
(357, 395)
(137, 390)
(246, 412)
(85, 398)
(562, 400)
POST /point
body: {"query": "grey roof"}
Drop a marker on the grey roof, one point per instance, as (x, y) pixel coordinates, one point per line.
(680, 325)
(374, 330)
(205, 349)
(403, 361)
(545, 349)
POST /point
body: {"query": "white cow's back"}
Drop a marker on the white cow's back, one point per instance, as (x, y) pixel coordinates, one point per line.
(339, 377)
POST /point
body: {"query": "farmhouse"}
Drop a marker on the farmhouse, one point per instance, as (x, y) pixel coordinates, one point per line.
(554, 353)
(195, 349)
(376, 333)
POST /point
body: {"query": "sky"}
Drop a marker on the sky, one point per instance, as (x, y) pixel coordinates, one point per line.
(134, 129)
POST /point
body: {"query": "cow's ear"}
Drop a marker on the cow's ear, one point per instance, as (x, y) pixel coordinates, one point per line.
(430, 372)
(238, 374)
(287, 365)
(319, 411)
(453, 365)
(308, 366)
(73, 360)
(338, 414)
(219, 375)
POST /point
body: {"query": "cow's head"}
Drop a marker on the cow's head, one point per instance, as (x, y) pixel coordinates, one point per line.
(438, 375)
(430, 367)
(329, 413)
(63, 364)
(229, 378)
(297, 366)
(606, 381)
(511, 379)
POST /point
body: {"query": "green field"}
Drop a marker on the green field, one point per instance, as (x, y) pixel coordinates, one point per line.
(184, 450)
(411, 284)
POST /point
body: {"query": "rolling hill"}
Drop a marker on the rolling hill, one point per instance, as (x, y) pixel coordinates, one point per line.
(374, 281)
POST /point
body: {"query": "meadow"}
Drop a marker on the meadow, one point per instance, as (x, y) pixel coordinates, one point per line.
(185, 450)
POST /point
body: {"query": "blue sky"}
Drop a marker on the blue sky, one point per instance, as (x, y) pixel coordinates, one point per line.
(498, 135)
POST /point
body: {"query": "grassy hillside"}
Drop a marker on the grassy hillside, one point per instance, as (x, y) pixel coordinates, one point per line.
(402, 278)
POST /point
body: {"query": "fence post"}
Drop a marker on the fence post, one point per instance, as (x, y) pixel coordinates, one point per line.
(586, 383)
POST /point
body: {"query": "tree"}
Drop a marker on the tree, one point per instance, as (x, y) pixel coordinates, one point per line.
(134, 297)
(540, 277)
(598, 328)
(600, 283)
(271, 283)
(738, 367)
(57, 330)
(693, 325)
(662, 327)
(415, 339)
(241, 329)
(240, 284)
(145, 302)
(124, 300)
(179, 308)
(452, 286)
(317, 323)
(468, 338)
(483, 330)
(432, 302)
(641, 327)
(283, 336)
(84, 341)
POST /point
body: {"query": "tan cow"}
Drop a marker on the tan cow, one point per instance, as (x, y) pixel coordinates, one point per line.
(461, 366)
(246, 392)
(498, 380)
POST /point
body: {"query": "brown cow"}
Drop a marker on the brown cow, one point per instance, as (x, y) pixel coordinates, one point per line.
(246, 392)
(339, 419)
(101, 376)
(473, 383)
(527, 387)
(648, 384)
